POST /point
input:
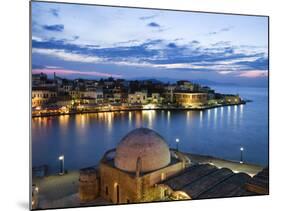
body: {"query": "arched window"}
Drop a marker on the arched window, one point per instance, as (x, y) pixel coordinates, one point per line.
(106, 190)
(163, 176)
(117, 194)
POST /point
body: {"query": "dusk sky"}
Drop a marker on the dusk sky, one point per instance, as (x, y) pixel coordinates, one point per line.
(83, 41)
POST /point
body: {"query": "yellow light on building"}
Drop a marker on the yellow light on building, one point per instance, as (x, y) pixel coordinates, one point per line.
(149, 106)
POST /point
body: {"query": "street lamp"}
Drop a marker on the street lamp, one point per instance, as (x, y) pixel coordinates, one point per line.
(177, 141)
(61, 158)
(241, 155)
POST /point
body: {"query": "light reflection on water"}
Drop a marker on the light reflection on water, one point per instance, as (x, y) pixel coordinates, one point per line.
(168, 117)
(215, 118)
(219, 132)
(201, 119)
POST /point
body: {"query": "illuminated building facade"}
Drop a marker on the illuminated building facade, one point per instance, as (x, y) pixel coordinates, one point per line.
(190, 98)
(137, 97)
(41, 96)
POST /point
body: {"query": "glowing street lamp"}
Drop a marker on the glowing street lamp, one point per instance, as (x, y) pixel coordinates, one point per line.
(36, 189)
(61, 158)
(177, 141)
(241, 155)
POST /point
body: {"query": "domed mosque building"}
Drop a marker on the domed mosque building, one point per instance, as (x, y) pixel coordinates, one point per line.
(134, 171)
(143, 168)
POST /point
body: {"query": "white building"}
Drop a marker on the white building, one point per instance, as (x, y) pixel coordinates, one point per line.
(137, 97)
(42, 96)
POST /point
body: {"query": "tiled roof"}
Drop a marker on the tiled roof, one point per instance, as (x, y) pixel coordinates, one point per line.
(207, 181)
(259, 183)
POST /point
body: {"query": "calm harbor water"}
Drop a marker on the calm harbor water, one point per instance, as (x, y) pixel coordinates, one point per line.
(219, 132)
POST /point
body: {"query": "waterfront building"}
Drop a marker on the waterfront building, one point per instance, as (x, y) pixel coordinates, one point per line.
(190, 98)
(64, 85)
(42, 95)
(211, 95)
(99, 94)
(74, 94)
(91, 87)
(137, 98)
(184, 85)
(169, 93)
(204, 89)
(109, 82)
(117, 97)
(88, 94)
(65, 102)
(232, 99)
(108, 97)
(154, 98)
(65, 88)
(38, 79)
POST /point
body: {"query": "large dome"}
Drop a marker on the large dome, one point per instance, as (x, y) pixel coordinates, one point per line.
(145, 144)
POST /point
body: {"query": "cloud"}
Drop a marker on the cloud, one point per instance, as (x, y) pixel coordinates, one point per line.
(172, 45)
(52, 67)
(63, 48)
(56, 28)
(158, 53)
(225, 72)
(259, 63)
(221, 43)
(39, 39)
(128, 43)
(254, 74)
(194, 42)
(67, 56)
(181, 66)
(66, 72)
(54, 12)
(37, 66)
(154, 25)
(226, 29)
(148, 17)
(76, 37)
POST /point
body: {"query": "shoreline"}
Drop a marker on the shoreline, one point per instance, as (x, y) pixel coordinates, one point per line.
(202, 108)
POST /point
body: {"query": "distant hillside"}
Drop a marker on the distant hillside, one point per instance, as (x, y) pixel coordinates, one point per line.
(199, 81)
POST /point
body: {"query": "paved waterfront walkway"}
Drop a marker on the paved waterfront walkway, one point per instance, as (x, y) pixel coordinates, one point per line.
(55, 187)
(71, 201)
(235, 166)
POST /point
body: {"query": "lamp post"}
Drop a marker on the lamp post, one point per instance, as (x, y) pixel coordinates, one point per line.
(61, 158)
(177, 141)
(241, 155)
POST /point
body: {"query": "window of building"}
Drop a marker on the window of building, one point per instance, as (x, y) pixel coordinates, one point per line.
(106, 190)
(163, 176)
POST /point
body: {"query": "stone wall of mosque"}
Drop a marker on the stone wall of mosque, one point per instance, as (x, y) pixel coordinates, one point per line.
(118, 186)
(88, 184)
(162, 174)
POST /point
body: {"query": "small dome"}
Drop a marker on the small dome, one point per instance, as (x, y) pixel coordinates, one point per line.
(145, 144)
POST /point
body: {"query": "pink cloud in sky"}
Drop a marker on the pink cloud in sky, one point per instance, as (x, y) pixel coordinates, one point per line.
(254, 74)
(71, 72)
